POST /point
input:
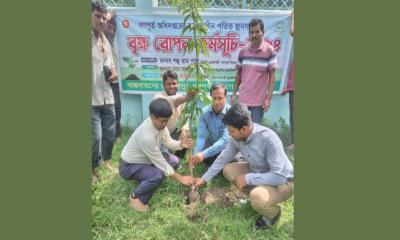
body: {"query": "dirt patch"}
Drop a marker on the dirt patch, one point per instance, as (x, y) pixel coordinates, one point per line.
(194, 196)
(192, 200)
(224, 196)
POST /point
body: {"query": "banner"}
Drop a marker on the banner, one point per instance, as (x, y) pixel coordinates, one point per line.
(150, 45)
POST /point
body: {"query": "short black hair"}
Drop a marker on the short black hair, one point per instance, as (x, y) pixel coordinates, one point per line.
(99, 6)
(215, 86)
(237, 116)
(255, 22)
(169, 74)
(160, 108)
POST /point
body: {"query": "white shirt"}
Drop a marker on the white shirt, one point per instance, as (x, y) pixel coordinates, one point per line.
(101, 89)
(144, 147)
(176, 111)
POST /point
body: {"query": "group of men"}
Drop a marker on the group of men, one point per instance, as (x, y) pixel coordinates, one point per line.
(153, 150)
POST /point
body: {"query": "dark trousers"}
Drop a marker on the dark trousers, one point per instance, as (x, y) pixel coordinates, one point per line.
(257, 114)
(175, 135)
(291, 109)
(149, 176)
(117, 105)
(103, 132)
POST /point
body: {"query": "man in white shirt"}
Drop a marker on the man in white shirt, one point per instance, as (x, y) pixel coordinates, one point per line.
(103, 113)
(176, 101)
(142, 159)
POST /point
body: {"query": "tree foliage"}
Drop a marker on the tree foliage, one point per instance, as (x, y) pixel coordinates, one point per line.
(199, 70)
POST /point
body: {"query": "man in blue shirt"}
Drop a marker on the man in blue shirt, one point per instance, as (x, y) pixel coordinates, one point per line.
(210, 123)
(266, 173)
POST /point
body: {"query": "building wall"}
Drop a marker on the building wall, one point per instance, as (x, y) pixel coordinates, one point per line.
(135, 106)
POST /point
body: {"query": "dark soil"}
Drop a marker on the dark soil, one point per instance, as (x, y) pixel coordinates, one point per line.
(225, 197)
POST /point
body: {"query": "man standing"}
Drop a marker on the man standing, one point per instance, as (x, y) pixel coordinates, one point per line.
(109, 31)
(266, 173)
(103, 72)
(210, 123)
(290, 89)
(142, 159)
(256, 72)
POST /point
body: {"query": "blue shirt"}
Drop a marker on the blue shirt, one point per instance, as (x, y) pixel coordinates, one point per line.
(211, 123)
(263, 151)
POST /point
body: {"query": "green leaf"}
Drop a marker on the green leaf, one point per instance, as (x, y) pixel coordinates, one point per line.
(186, 28)
(197, 50)
(185, 20)
(203, 45)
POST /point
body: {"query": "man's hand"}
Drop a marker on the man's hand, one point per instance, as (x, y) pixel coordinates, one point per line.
(266, 105)
(114, 75)
(186, 142)
(184, 134)
(241, 181)
(186, 180)
(199, 157)
(233, 99)
(198, 182)
(190, 94)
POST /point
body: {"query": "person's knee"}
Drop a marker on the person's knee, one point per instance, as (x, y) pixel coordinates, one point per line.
(174, 160)
(227, 172)
(259, 197)
(158, 177)
(96, 136)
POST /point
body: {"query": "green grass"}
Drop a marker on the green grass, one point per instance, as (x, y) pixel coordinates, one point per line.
(113, 217)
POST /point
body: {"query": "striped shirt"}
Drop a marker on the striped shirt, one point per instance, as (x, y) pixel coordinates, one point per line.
(254, 66)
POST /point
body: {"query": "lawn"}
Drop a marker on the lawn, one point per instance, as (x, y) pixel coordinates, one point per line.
(113, 217)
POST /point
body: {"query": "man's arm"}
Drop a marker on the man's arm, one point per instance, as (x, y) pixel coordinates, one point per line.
(238, 81)
(225, 157)
(271, 84)
(185, 180)
(182, 99)
(269, 178)
(201, 134)
(169, 142)
(109, 61)
(198, 156)
(276, 158)
(153, 153)
(218, 146)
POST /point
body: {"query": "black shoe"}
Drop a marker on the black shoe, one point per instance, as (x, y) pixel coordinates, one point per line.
(263, 223)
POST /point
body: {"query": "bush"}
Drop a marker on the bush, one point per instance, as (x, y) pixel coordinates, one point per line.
(281, 128)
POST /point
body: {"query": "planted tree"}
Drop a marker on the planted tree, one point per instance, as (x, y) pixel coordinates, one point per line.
(198, 70)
